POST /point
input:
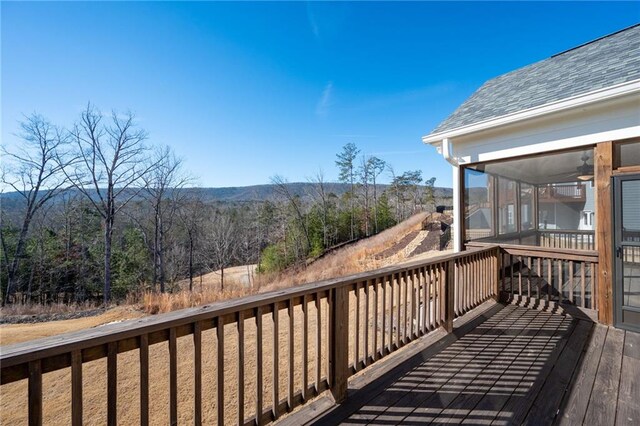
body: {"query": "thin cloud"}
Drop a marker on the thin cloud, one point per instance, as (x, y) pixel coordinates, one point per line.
(312, 22)
(325, 102)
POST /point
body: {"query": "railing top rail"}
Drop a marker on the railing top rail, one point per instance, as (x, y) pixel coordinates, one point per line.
(549, 252)
(568, 231)
(61, 344)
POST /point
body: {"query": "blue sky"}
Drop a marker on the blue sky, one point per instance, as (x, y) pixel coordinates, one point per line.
(244, 91)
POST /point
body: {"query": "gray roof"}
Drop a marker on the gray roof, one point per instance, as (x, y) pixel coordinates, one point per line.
(602, 63)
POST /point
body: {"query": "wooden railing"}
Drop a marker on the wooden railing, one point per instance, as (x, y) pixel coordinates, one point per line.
(554, 238)
(302, 341)
(580, 240)
(542, 274)
(562, 192)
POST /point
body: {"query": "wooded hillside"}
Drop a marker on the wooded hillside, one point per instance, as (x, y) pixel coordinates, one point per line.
(96, 213)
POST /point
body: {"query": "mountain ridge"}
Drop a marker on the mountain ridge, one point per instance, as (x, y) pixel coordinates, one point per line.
(259, 193)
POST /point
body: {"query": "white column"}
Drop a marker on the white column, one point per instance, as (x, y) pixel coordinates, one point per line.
(457, 213)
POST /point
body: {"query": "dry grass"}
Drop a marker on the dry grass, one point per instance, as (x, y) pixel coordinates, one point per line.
(56, 385)
(206, 289)
(237, 275)
(50, 309)
(156, 303)
(16, 333)
(358, 257)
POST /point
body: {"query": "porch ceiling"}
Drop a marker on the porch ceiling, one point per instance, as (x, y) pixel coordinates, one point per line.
(540, 170)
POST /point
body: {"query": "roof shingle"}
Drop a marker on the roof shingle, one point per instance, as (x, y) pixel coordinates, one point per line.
(605, 62)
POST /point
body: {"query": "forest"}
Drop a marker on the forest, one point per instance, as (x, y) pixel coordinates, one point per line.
(95, 213)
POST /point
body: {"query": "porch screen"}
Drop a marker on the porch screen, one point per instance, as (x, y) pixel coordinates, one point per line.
(543, 200)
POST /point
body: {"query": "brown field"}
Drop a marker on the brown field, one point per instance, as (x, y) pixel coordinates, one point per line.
(57, 385)
(16, 333)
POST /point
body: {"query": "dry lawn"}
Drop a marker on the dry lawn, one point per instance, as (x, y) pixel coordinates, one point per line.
(50, 309)
(16, 333)
(57, 385)
(237, 275)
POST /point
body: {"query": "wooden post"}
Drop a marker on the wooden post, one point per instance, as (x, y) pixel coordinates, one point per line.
(197, 372)
(603, 167)
(241, 343)
(144, 380)
(536, 212)
(496, 275)
(339, 349)
(449, 289)
(76, 388)
(112, 383)
(35, 393)
(173, 377)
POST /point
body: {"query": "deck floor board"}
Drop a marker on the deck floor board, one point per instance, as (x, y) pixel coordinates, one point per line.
(515, 366)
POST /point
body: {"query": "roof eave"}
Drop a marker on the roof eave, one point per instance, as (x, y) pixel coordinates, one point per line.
(599, 95)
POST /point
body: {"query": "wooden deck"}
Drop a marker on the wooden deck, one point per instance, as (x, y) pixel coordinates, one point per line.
(506, 365)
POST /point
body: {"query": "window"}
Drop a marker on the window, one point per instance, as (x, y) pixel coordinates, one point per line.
(627, 153)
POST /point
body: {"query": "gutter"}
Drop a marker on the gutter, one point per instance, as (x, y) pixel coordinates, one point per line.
(447, 152)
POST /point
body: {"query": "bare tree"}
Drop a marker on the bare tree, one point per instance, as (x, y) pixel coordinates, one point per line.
(223, 241)
(282, 189)
(247, 240)
(162, 187)
(321, 198)
(36, 175)
(191, 213)
(108, 167)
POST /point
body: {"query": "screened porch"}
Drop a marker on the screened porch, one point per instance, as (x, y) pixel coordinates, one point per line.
(543, 200)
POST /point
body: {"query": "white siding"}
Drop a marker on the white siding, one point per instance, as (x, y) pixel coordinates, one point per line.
(611, 120)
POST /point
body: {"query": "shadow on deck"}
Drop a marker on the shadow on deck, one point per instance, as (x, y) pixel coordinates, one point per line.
(506, 365)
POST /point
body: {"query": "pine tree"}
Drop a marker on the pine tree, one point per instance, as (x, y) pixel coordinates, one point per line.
(346, 164)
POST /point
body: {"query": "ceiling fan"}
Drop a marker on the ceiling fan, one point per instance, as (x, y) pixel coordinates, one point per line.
(585, 171)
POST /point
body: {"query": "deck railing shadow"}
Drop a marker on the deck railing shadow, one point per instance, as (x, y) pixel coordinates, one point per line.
(491, 372)
(306, 340)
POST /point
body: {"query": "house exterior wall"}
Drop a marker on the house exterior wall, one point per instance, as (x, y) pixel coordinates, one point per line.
(560, 216)
(614, 119)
